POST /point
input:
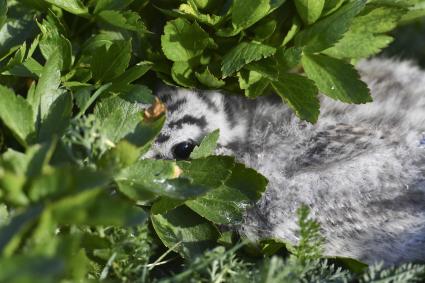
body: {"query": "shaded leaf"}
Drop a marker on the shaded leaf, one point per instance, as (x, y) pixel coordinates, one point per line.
(300, 94)
(326, 32)
(17, 115)
(336, 78)
(182, 40)
(185, 232)
(244, 53)
(207, 146)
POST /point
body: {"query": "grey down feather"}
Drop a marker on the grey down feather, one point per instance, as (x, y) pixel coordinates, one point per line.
(360, 169)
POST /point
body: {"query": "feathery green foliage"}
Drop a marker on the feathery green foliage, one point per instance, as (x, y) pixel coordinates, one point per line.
(78, 204)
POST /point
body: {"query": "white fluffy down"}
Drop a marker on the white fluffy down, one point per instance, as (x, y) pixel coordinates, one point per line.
(361, 168)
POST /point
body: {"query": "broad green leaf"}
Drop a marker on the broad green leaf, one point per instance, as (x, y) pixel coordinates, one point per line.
(210, 171)
(182, 40)
(65, 181)
(158, 177)
(57, 119)
(267, 68)
(11, 235)
(336, 78)
(185, 232)
(192, 12)
(20, 26)
(244, 53)
(309, 10)
(127, 20)
(228, 203)
(331, 6)
(300, 94)
(209, 80)
(17, 115)
(358, 45)
(248, 78)
(248, 12)
(52, 41)
(133, 73)
(289, 58)
(257, 89)
(223, 205)
(120, 116)
(207, 146)
(47, 90)
(293, 30)
(96, 207)
(165, 204)
(26, 268)
(182, 73)
(326, 32)
(3, 12)
(362, 40)
(111, 5)
(245, 13)
(73, 6)
(248, 181)
(109, 63)
(265, 29)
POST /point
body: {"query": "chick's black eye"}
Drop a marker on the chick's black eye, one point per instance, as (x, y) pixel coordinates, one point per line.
(183, 150)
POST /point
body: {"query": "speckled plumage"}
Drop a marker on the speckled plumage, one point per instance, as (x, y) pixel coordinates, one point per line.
(361, 168)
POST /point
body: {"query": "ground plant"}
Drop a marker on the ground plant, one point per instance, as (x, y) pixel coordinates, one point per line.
(78, 111)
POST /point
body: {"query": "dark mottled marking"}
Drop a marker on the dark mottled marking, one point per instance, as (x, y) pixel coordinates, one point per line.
(174, 106)
(189, 119)
(230, 108)
(165, 98)
(162, 138)
(208, 101)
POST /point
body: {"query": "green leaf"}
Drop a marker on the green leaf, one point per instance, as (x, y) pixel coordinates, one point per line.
(363, 39)
(182, 73)
(210, 171)
(157, 177)
(192, 12)
(228, 203)
(358, 45)
(20, 26)
(120, 116)
(3, 12)
(25, 268)
(96, 207)
(73, 6)
(248, 181)
(17, 115)
(185, 232)
(133, 73)
(111, 5)
(221, 206)
(207, 146)
(47, 90)
(109, 63)
(326, 32)
(248, 12)
(209, 80)
(336, 78)
(52, 41)
(58, 118)
(244, 53)
(300, 94)
(309, 10)
(127, 20)
(183, 41)
(289, 58)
